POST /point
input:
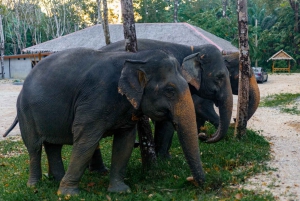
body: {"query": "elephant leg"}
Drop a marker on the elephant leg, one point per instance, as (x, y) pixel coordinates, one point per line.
(96, 163)
(123, 144)
(163, 135)
(35, 170)
(55, 163)
(86, 137)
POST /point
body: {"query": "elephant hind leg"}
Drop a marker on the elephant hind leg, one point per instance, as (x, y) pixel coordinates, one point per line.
(35, 170)
(55, 163)
(96, 163)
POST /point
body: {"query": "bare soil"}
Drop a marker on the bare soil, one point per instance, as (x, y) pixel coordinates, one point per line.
(280, 129)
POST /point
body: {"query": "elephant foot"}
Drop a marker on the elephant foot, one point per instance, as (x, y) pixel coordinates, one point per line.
(118, 187)
(56, 176)
(68, 191)
(32, 182)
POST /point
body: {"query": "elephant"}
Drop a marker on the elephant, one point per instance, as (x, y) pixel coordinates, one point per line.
(213, 77)
(203, 104)
(77, 96)
(204, 107)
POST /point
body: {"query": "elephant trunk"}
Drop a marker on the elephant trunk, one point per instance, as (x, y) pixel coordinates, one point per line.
(225, 112)
(185, 124)
(254, 96)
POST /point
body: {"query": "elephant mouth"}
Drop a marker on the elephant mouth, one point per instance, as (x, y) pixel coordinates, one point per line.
(217, 103)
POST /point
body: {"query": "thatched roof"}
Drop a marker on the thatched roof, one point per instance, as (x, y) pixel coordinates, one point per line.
(281, 55)
(93, 37)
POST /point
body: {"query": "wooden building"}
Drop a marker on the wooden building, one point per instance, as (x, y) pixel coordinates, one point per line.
(281, 55)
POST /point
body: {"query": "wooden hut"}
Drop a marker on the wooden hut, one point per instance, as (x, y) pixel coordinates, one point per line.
(281, 55)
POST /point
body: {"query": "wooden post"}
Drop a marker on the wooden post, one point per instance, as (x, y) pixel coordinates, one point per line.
(244, 74)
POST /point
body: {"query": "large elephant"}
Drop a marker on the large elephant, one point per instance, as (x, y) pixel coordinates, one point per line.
(78, 96)
(212, 81)
(203, 104)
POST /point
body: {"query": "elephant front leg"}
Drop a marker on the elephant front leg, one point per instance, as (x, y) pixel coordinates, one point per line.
(163, 136)
(55, 164)
(122, 147)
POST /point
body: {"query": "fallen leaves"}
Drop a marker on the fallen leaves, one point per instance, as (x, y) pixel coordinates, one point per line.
(239, 196)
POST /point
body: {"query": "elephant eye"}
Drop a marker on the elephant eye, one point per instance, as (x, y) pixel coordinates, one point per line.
(169, 92)
(219, 78)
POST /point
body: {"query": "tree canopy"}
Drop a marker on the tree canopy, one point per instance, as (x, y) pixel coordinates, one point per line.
(29, 22)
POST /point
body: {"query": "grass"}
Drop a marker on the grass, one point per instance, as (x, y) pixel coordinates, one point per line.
(226, 163)
(286, 102)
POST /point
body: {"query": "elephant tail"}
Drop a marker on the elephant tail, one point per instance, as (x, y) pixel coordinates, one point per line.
(11, 127)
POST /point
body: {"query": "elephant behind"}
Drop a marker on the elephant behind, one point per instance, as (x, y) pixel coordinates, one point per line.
(203, 101)
(80, 95)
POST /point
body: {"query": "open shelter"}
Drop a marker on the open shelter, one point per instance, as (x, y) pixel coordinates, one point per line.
(281, 55)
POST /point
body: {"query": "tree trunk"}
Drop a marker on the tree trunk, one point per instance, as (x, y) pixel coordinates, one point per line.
(224, 5)
(144, 129)
(99, 19)
(146, 142)
(129, 26)
(175, 11)
(105, 23)
(244, 74)
(2, 47)
(295, 6)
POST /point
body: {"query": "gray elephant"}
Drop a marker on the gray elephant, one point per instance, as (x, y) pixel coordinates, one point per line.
(78, 96)
(203, 103)
(212, 80)
(204, 107)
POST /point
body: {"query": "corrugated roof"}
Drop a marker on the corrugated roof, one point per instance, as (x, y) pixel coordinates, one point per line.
(281, 55)
(93, 37)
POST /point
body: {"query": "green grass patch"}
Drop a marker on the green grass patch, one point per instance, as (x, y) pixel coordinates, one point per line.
(287, 102)
(226, 163)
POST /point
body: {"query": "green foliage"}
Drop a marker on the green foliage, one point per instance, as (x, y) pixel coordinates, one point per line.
(275, 29)
(286, 102)
(226, 163)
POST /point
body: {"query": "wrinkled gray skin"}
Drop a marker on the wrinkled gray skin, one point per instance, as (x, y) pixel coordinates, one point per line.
(208, 113)
(78, 96)
(204, 107)
(210, 71)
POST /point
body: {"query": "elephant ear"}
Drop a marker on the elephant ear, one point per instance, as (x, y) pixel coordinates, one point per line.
(132, 81)
(191, 69)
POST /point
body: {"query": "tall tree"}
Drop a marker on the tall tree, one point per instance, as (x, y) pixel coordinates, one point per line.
(295, 6)
(2, 42)
(129, 26)
(104, 20)
(224, 7)
(244, 66)
(175, 16)
(144, 129)
(105, 23)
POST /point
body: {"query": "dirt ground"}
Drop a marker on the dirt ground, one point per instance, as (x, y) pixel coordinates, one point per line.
(280, 129)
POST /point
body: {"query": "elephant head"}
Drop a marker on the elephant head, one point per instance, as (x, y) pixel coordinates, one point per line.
(232, 63)
(163, 94)
(208, 77)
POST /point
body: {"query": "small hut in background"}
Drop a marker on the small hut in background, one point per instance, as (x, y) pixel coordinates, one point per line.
(281, 55)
